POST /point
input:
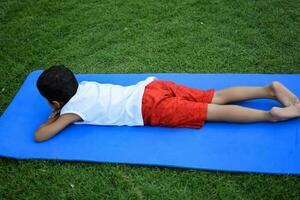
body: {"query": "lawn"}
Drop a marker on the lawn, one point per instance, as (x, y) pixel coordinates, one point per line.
(139, 36)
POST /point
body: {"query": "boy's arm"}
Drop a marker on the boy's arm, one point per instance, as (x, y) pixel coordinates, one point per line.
(54, 125)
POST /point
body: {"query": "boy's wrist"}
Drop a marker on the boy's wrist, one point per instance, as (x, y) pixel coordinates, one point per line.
(54, 113)
(52, 118)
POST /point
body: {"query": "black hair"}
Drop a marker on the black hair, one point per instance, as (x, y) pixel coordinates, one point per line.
(57, 83)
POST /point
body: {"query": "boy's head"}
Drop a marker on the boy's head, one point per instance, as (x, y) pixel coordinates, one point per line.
(58, 85)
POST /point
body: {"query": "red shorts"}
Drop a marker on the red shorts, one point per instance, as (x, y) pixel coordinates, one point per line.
(166, 103)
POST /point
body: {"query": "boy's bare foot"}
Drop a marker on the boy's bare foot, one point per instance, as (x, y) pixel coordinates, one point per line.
(281, 114)
(283, 94)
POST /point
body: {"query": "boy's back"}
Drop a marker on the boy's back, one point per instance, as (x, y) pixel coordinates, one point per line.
(107, 104)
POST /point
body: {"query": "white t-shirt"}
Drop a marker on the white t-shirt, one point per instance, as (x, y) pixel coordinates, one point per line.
(108, 104)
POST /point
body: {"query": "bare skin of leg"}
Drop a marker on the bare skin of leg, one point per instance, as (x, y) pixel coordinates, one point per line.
(234, 113)
(276, 91)
(217, 111)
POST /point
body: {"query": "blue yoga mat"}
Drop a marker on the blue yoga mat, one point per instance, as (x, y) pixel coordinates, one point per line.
(256, 147)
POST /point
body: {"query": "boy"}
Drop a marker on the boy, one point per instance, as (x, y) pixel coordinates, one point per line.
(152, 102)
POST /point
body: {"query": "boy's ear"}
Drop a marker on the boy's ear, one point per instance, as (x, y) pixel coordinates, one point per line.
(56, 105)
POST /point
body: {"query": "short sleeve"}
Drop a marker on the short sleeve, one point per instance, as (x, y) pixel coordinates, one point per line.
(68, 109)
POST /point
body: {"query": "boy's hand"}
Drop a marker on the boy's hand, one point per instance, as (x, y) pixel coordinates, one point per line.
(54, 114)
(52, 118)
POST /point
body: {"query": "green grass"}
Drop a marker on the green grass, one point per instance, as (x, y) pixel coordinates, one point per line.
(139, 36)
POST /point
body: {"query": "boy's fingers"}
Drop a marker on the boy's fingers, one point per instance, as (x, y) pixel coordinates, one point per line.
(54, 113)
(51, 116)
(57, 111)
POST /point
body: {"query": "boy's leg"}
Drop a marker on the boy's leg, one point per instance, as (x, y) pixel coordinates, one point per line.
(234, 113)
(273, 91)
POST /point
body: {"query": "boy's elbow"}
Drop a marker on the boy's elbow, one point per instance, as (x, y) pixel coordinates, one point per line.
(38, 137)
(38, 140)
